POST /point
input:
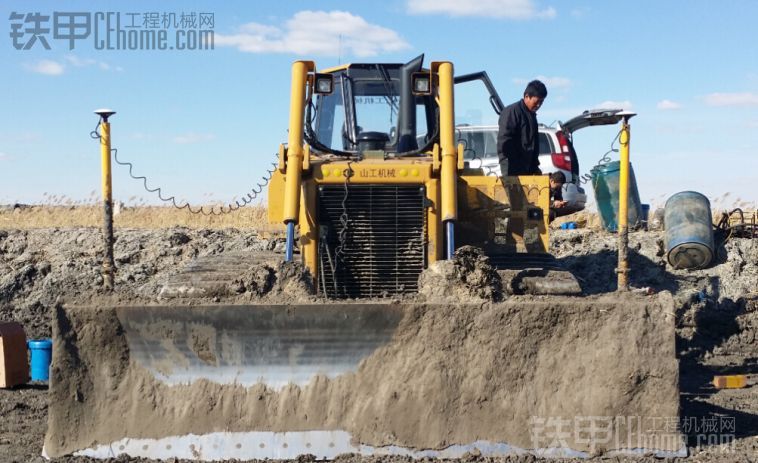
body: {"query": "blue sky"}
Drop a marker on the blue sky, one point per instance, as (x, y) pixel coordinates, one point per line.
(204, 124)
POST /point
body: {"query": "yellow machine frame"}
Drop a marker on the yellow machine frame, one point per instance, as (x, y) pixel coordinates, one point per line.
(454, 193)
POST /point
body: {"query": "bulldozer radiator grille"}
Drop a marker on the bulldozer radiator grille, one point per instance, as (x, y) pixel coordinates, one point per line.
(372, 240)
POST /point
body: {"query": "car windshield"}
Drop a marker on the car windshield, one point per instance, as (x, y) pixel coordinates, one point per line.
(478, 143)
(482, 142)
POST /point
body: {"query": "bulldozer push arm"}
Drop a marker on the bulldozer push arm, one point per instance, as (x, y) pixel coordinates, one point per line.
(294, 152)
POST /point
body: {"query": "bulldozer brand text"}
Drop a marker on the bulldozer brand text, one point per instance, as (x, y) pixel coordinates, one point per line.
(378, 173)
(114, 30)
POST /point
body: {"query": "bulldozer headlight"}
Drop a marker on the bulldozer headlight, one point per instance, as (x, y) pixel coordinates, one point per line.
(422, 83)
(534, 213)
(324, 84)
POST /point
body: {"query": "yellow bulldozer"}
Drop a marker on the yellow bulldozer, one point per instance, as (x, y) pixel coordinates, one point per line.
(378, 183)
(374, 190)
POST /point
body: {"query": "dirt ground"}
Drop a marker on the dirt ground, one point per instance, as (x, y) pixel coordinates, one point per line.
(716, 315)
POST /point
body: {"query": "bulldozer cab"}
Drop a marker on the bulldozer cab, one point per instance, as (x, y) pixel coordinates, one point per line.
(373, 104)
(367, 110)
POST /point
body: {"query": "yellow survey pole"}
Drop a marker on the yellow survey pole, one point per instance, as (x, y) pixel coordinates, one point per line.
(449, 151)
(623, 224)
(105, 161)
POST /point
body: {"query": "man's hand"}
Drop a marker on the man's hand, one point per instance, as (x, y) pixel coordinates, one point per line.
(559, 204)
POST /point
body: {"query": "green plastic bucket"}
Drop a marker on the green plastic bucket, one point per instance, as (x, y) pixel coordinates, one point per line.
(605, 183)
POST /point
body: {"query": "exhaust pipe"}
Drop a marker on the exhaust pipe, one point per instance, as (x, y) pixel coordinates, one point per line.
(406, 118)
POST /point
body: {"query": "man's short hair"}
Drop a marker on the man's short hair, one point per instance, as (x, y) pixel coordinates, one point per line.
(558, 177)
(536, 88)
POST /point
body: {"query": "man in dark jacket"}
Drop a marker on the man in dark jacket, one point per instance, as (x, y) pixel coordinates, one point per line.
(517, 142)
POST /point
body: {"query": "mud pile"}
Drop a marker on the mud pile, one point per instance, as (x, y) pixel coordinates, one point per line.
(591, 255)
(715, 306)
(451, 374)
(39, 266)
(467, 277)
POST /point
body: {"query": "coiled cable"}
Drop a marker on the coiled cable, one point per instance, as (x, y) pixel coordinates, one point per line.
(248, 198)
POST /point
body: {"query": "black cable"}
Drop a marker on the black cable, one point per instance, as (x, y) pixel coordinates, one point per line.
(583, 179)
(725, 231)
(344, 223)
(475, 156)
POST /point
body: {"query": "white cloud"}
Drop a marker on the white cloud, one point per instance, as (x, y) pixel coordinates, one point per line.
(140, 136)
(731, 99)
(609, 104)
(55, 68)
(550, 82)
(752, 124)
(193, 137)
(4, 156)
(679, 129)
(316, 33)
(668, 104)
(45, 66)
(579, 13)
(20, 137)
(80, 62)
(508, 9)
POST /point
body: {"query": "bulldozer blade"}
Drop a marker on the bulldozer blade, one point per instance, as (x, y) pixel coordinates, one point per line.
(247, 345)
(424, 380)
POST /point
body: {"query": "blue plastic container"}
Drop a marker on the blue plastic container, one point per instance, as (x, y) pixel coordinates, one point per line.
(689, 230)
(41, 355)
(605, 182)
(568, 226)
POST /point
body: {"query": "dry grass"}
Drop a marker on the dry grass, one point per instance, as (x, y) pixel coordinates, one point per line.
(150, 217)
(27, 217)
